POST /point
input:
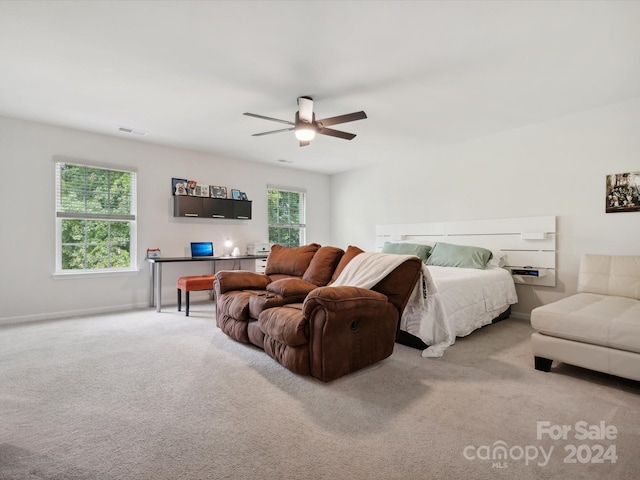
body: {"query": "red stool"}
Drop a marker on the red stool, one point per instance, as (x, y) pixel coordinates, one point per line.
(191, 284)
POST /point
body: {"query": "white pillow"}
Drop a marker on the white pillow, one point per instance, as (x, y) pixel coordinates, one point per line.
(498, 259)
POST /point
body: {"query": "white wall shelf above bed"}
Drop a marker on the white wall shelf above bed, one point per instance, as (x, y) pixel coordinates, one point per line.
(527, 242)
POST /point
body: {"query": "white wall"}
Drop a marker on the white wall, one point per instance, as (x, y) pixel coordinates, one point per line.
(28, 289)
(554, 168)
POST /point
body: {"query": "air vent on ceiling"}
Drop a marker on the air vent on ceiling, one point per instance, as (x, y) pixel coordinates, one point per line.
(132, 131)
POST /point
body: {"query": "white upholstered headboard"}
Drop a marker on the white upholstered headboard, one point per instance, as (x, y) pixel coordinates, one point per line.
(526, 241)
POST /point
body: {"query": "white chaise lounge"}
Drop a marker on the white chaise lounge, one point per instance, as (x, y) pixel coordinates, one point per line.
(599, 327)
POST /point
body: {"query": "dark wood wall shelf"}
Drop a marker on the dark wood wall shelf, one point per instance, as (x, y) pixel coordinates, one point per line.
(205, 207)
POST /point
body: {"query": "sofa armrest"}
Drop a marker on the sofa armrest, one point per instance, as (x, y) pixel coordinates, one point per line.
(228, 280)
(337, 299)
(292, 289)
(349, 328)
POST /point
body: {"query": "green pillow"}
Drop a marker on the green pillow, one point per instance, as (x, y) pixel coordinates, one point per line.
(448, 255)
(420, 251)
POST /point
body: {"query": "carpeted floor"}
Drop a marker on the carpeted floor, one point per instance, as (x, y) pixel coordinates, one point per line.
(146, 395)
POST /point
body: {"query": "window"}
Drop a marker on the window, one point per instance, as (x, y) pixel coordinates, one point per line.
(95, 219)
(286, 212)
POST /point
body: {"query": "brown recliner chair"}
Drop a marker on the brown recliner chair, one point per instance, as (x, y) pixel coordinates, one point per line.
(338, 330)
(329, 333)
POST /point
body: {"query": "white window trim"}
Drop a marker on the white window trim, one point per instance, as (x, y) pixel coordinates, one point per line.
(300, 226)
(58, 272)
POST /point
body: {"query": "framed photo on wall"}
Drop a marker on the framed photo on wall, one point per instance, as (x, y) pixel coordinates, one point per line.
(623, 192)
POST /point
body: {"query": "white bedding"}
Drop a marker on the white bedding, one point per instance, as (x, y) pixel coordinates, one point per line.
(471, 297)
(447, 302)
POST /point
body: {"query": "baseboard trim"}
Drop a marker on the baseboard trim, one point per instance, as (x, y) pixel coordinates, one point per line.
(70, 313)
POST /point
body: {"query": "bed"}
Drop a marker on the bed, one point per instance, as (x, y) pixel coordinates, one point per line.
(470, 265)
(471, 298)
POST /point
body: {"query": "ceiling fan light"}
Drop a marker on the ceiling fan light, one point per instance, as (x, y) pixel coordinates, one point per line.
(305, 133)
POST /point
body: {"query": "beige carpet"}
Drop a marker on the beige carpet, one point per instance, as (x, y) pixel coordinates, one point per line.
(146, 395)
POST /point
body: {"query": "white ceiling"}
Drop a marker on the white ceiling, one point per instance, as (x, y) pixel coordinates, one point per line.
(428, 74)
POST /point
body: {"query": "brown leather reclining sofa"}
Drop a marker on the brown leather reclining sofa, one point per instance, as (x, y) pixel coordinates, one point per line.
(306, 325)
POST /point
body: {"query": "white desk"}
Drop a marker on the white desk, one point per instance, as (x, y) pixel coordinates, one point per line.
(155, 271)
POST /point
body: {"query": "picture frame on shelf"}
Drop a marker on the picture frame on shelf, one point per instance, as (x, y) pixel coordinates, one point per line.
(202, 190)
(243, 196)
(235, 194)
(218, 192)
(178, 186)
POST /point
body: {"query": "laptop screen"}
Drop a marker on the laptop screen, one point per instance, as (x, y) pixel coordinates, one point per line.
(201, 249)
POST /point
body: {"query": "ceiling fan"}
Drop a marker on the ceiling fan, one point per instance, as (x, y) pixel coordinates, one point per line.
(306, 126)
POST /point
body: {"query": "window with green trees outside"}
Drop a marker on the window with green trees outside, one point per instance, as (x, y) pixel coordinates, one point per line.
(286, 212)
(95, 218)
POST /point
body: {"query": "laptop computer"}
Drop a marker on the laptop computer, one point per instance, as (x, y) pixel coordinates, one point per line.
(202, 249)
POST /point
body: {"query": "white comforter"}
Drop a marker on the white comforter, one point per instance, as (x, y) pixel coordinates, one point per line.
(447, 302)
(471, 297)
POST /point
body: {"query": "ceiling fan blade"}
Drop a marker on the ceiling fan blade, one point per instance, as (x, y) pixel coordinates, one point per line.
(268, 118)
(349, 117)
(336, 133)
(305, 110)
(273, 131)
(304, 144)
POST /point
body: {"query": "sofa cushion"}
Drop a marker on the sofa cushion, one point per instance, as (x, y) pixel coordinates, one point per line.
(231, 280)
(261, 301)
(349, 254)
(290, 260)
(285, 324)
(603, 320)
(291, 287)
(323, 265)
(617, 275)
(235, 304)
